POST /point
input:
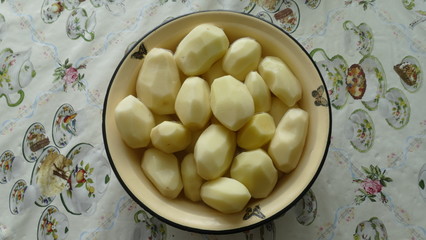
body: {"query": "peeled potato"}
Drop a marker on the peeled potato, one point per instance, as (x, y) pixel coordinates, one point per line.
(134, 122)
(170, 137)
(224, 194)
(288, 141)
(231, 102)
(193, 103)
(214, 151)
(158, 81)
(256, 171)
(242, 57)
(256, 132)
(162, 169)
(191, 180)
(200, 48)
(278, 109)
(280, 80)
(259, 91)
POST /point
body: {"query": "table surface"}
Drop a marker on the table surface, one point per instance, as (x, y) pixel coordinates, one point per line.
(57, 58)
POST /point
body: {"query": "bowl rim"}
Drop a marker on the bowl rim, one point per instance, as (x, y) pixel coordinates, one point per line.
(198, 230)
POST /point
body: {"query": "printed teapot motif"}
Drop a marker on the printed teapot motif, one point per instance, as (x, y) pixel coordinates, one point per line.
(16, 72)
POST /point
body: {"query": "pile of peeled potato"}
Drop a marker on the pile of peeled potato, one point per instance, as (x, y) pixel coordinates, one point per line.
(223, 131)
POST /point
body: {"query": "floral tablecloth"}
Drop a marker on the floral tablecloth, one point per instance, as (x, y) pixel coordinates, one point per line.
(57, 58)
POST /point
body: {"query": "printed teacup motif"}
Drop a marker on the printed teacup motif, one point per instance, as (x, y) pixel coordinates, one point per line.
(360, 36)
(52, 225)
(395, 108)
(16, 198)
(79, 24)
(306, 209)
(51, 10)
(64, 125)
(35, 139)
(371, 229)
(88, 181)
(334, 71)
(376, 81)
(42, 200)
(16, 72)
(360, 130)
(6, 163)
(410, 73)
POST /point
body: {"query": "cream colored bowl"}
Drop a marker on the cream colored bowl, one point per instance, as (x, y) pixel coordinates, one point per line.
(198, 217)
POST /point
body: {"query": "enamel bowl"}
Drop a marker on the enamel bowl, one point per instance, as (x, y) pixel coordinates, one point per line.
(198, 217)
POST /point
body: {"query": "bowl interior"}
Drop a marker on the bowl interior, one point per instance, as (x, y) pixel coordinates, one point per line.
(197, 216)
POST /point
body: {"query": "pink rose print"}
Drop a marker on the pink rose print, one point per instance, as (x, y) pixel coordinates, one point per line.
(372, 185)
(70, 75)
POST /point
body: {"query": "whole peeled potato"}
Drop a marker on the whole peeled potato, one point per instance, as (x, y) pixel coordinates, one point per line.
(280, 80)
(231, 102)
(256, 132)
(242, 57)
(256, 171)
(213, 151)
(193, 103)
(224, 194)
(134, 122)
(288, 141)
(162, 169)
(170, 136)
(158, 81)
(200, 48)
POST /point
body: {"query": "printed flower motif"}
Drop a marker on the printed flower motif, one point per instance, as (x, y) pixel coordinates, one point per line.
(70, 75)
(372, 185)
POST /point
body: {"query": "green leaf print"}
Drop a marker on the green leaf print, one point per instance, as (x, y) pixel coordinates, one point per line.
(409, 4)
(422, 184)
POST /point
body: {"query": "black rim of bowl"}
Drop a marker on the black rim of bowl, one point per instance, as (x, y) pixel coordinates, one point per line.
(197, 230)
